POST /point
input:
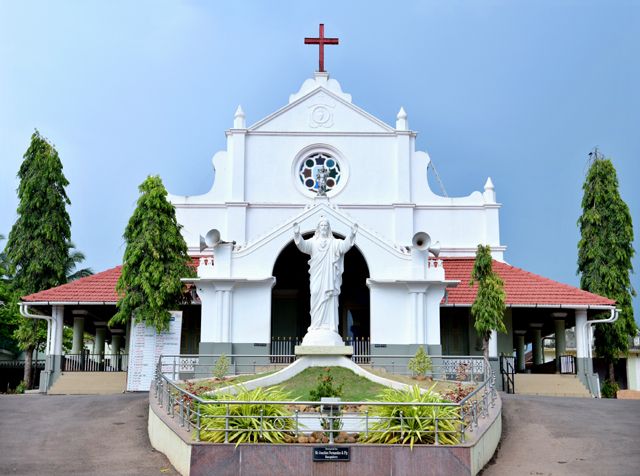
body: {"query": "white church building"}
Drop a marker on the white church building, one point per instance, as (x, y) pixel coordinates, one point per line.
(397, 294)
(255, 287)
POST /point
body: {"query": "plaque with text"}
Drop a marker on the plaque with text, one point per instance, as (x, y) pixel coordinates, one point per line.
(331, 453)
(145, 349)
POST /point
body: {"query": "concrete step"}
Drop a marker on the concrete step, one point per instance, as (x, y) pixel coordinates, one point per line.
(89, 383)
(550, 385)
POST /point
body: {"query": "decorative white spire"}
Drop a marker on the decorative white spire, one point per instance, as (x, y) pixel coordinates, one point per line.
(489, 191)
(402, 124)
(238, 119)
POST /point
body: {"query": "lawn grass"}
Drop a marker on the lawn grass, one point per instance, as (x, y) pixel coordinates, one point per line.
(354, 387)
(207, 385)
(441, 386)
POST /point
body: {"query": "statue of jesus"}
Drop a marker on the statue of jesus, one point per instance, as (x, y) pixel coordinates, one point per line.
(325, 278)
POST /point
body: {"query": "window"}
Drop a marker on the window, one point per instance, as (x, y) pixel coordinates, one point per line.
(312, 164)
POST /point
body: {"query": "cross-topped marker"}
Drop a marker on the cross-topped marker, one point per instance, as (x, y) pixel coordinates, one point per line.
(321, 41)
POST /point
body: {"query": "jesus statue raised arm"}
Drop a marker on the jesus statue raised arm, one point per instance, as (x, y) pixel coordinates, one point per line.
(325, 278)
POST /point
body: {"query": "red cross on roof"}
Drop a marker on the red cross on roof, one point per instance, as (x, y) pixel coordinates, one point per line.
(321, 41)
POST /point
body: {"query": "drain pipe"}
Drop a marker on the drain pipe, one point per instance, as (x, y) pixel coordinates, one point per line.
(24, 312)
(588, 329)
(588, 326)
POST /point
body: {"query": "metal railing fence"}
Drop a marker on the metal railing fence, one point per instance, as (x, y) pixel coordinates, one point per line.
(282, 349)
(470, 369)
(94, 362)
(508, 372)
(439, 423)
(567, 364)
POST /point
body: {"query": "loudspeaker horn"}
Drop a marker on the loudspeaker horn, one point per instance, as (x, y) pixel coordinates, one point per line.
(421, 241)
(210, 240)
(435, 249)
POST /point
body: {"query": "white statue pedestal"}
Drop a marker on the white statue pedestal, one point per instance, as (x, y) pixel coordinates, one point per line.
(323, 342)
(319, 350)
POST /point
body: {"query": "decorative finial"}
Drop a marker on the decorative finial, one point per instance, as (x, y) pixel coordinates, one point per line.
(489, 191)
(402, 124)
(238, 119)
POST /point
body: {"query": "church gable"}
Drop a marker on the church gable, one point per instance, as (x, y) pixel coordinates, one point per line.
(321, 111)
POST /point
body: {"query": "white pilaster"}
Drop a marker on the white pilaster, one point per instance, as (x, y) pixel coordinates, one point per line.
(417, 293)
(236, 141)
(493, 344)
(237, 222)
(217, 301)
(403, 167)
(582, 340)
(57, 329)
(434, 297)
(402, 223)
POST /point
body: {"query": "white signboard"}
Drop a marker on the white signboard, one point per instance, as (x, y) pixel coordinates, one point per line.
(145, 349)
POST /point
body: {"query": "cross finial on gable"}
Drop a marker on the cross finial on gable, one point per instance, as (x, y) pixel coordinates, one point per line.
(321, 41)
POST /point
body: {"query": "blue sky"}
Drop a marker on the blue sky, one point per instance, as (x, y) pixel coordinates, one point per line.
(517, 90)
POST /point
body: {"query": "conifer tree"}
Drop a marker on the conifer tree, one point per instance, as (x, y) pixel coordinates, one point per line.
(9, 316)
(155, 259)
(489, 305)
(37, 250)
(605, 251)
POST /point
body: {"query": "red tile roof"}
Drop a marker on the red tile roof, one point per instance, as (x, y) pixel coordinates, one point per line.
(522, 287)
(97, 288)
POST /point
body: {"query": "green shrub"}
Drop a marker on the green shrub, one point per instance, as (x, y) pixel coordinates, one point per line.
(420, 363)
(248, 423)
(221, 368)
(609, 389)
(413, 424)
(326, 387)
(21, 387)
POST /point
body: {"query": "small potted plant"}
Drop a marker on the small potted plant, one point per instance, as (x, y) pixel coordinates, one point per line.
(420, 364)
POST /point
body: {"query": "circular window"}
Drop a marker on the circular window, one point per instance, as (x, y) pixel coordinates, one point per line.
(318, 168)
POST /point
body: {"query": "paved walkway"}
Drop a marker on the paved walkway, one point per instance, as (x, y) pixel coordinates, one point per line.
(107, 435)
(77, 435)
(568, 436)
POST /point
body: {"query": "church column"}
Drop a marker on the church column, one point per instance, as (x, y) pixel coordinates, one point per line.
(98, 344)
(559, 337)
(582, 343)
(58, 327)
(116, 347)
(520, 351)
(116, 344)
(78, 331)
(538, 357)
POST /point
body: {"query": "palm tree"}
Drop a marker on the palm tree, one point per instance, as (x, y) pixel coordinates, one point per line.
(75, 257)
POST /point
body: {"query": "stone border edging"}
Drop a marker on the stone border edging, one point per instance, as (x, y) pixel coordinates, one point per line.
(192, 458)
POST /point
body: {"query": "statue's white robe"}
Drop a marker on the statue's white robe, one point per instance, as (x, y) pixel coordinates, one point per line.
(325, 278)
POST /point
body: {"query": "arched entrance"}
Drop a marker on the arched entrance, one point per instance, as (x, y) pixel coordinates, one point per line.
(290, 296)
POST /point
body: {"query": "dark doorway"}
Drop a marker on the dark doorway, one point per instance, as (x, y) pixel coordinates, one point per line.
(290, 296)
